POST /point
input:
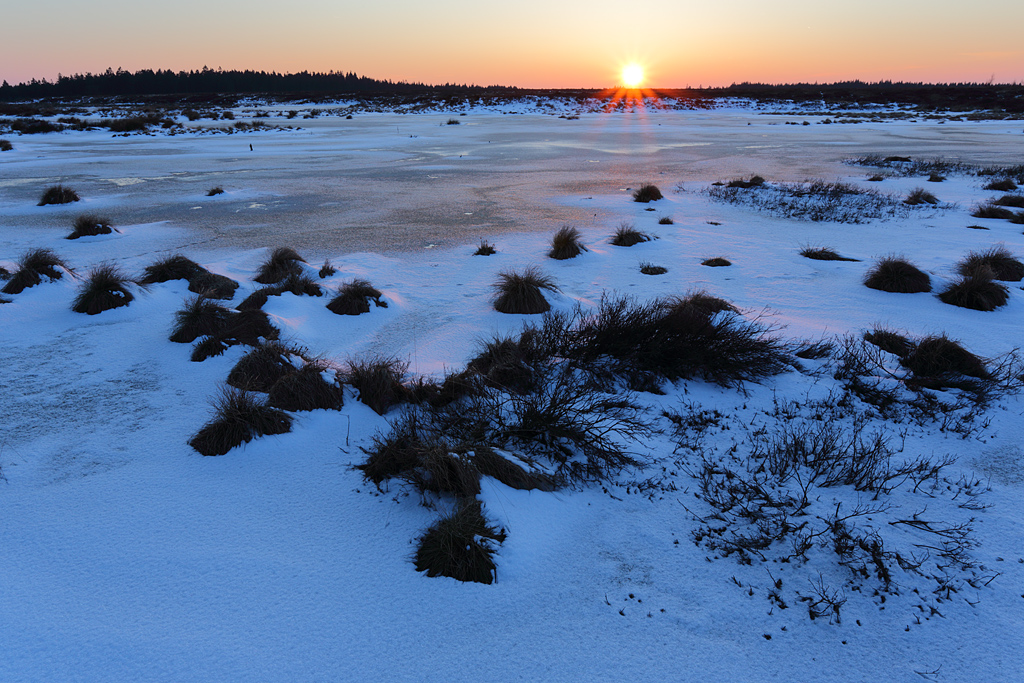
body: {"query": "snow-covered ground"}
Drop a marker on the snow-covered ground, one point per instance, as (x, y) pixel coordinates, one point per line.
(124, 555)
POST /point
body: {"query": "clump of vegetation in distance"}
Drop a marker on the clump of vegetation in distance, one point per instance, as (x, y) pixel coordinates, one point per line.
(1015, 201)
(997, 263)
(746, 184)
(566, 244)
(353, 298)
(991, 211)
(979, 293)
(939, 356)
(666, 220)
(281, 263)
(919, 196)
(105, 288)
(977, 227)
(648, 268)
(5, 145)
(626, 236)
(521, 292)
(460, 545)
(58, 194)
(89, 225)
(889, 341)
(485, 249)
(936, 178)
(214, 191)
(647, 193)
(823, 254)
(239, 417)
(896, 274)
(716, 262)
(327, 269)
(1002, 185)
(876, 178)
(452, 122)
(378, 379)
(815, 200)
(32, 267)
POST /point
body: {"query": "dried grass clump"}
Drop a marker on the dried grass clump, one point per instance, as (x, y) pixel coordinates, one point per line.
(88, 225)
(264, 365)
(627, 236)
(214, 191)
(650, 269)
(647, 193)
(200, 317)
(919, 196)
(717, 262)
(327, 269)
(353, 298)
(281, 263)
(939, 356)
(378, 379)
(58, 194)
(896, 274)
(997, 264)
(889, 341)
(306, 389)
(666, 220)
(823, 254)
(751, 182)
(491, 464)
(485, 249)
(212, 285)
(936, 178)
(979, 293)
(33, 266)
(521, 292)
(175, 267)
(460, 545)
(104, 289)
(6, 146)
(566, 244)
(1013, 200)
(991, 211)
(239, 417)
(1003, 185)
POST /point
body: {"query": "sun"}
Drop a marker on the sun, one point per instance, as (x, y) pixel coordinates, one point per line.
(632, 75)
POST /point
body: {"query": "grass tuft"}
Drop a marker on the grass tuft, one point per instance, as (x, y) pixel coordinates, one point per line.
(327, 269)
(991, 211)
(919, 196)
(58, 194)
(521, 292)
(460, 545)
(896, 274)
(666, 220)
(306, 389)
(566, 244)
(751, 182)
(939, 356)
(979, 293)
(1015, 201)
(6, 146)
(823, 254)
(214, 191)
(263, 366)
(281, 263)
(717, 262)
(353, 298)
(104, 289)
(627, 236)
(1003, 185)
(378, 379)
(997, 264)
(647, 193)
(88, 225)
(485, 249)
(239, 417)
(175, 267)
(650, 269)
(33, 266)
(200, 317)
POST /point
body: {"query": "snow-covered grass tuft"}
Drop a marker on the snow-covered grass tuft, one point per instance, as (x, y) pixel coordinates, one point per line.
(105, 288)
(896, 274)
(281, 263)
(239, 417)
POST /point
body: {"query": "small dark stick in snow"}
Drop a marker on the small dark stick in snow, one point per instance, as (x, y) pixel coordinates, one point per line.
(250, 146)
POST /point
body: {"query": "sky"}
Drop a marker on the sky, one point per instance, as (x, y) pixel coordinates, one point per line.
(530, 43)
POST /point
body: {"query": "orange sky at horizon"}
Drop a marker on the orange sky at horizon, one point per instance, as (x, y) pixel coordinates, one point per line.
(531, 45)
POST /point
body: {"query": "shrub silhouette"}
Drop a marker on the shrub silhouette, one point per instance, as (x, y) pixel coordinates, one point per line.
(716, 262)
(666, 220)
(939, 356)
(88, 225)
(104, 289)
(459, 545)
(327, 270)
(823, 254)
(627, 236)
(997, 264)
(990, 211)
(58, 194)
(485, 249)
(32, 267)
(491, 464)
(306, 389)
(919, 196)
(979, 293)
(889, 341)
(239, 417)
(378, 380)
(200, 317)
(1013, 200)
(521, 292)
(753, 181)
(263, 366)
(647, 193)
(895, 274)
(298, 285)
(353, 298)
(651, 269)
(566, 244)
(6, 146)
(175, 267)
(1003, 185)
(281, 263)
(212, 285)
(935, 178)
(214, 191)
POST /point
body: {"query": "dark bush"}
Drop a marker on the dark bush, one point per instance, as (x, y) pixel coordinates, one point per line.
(281, 263)
(459, 545)
(753, 181)
(214, 191)
(627, 236)
(200, 317)
(239, 417)
(939, 356)
(823, 254)
(716, 262)
(175, 267)
(505, 364)
(306, 389)
(1004, 185)
(208, 348)
(979, 293)
(58, 194)
(491, 464)
(212, 285)
(88, 225)
(249, 327)
(263, 366)
(452, 122)
(104, 289)
(378, 380)
(34, 126)
(647, 193)
(440, 471)
(935, 178)
(997, 264)
(521, 292)
(33, 266)
(485, 249)
(666, 220)
(1015, 201)
(990, 211)
(327, 270)
(889, 341)
(566, 244)
(353, 298)
(651, 269)
(876, 178)
(6, 146)
(920, 196)
(895, 274)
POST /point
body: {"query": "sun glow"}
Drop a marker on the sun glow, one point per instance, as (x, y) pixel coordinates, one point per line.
(632, 75)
